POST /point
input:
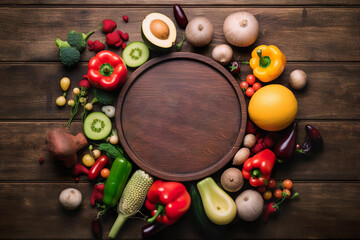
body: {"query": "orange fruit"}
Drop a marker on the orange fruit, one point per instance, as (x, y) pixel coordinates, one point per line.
(273, 107)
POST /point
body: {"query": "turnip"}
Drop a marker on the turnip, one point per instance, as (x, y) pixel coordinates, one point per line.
(250, 205)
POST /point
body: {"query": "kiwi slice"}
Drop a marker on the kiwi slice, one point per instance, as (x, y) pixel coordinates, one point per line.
(135, 54)
(97, 126)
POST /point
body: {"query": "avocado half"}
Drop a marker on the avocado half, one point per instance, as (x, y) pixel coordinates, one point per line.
(158, 32)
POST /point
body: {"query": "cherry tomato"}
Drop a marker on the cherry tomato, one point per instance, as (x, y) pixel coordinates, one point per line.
(244, 85)
(267, 195)
(250, 79)
(249, 92)
(105, 172)
(287, 191)
(271, 183)
(287, 184)
(261, 189)
(278, 193)
(256, 86)
(88, 160)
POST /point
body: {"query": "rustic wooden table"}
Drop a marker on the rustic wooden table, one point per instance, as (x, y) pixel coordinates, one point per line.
(320, 37)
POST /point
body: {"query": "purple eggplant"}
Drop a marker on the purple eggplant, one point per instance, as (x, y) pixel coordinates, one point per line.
(285, 148)
(180, 16)
(151, 230)
(97, 228)
(313, 141)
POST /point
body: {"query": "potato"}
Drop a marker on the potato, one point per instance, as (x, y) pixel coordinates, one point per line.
(241, 156)
(232, 180)
(249, 140)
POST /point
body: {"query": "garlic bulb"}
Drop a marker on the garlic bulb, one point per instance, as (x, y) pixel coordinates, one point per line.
(70, 198)
(199, 32)
(222, 53)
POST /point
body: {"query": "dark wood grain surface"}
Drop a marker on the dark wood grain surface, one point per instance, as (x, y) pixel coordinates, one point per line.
(320, 37)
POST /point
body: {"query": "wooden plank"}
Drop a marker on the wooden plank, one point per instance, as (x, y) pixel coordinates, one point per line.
(185, 3)
(319, 34)
(337, 161)
(35, 88)
(323, 210)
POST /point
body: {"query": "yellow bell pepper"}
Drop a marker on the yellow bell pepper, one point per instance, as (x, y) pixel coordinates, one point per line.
(267, 62)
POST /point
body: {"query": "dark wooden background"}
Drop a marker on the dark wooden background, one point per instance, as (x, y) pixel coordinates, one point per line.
(320, 37)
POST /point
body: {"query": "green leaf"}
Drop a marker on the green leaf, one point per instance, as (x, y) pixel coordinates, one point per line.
(111, 150)
(103, 97)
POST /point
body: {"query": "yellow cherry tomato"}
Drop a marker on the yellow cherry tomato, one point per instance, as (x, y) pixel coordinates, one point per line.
(76, 91)
(65, 83)
(96, 153)
(267, 195)
(88, 160)
(60, 101)
(105, 173)
(71, 103)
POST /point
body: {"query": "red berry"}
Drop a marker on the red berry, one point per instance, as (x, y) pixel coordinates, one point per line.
(298, 146)
(123, 45)
(250, 79)
(77, 179)
(41, 160)
(126, 19)
(249, 92)
(256, 86)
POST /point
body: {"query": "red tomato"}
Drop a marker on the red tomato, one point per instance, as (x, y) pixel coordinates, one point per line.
(250, 79)
(244, 85)
(287, 184)
(271, 183)
(278, 193)
(249, 92)
(261, 189)
(287, 191)
(105, 172)
(256, 86)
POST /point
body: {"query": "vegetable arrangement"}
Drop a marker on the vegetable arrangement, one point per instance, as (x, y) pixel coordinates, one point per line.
(271, 132)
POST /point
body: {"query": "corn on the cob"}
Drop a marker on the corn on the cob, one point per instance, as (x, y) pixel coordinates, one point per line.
(131, 199)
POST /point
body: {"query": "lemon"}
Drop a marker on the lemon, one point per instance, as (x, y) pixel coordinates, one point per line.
(273, 107)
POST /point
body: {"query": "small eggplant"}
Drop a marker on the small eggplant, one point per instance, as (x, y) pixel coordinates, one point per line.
(285, 148)
(313, 141)
(151, 230)
(180, 16)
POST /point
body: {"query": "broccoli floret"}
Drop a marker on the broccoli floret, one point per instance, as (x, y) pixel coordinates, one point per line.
(69, 56)
(78, 40)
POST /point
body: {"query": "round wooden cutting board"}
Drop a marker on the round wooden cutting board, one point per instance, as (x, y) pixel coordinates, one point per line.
(181, 117)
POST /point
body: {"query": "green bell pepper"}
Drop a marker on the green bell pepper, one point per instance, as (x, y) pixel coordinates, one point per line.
(115, 183)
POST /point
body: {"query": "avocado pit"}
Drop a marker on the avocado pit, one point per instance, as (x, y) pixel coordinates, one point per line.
(159, 29)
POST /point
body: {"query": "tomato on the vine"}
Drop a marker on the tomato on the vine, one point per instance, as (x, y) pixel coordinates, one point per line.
(250, 79)
(287, 191)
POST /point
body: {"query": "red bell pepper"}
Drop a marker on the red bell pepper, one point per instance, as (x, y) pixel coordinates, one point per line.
(259, 167)
(167, 201)
(107, 70)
